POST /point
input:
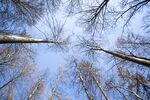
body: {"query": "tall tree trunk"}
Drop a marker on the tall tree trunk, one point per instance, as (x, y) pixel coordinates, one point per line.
(100, 88)
(33, 92)
(52, 93)
(22, 39)
(84, 85)
(10, 81)
(135, 59)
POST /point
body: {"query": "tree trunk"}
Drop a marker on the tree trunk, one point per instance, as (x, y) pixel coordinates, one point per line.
(33, 92)
(52, 93)
(135, 59)
(100, 88)
(4, 39)
(84, 85)
(10, 81)
(6, 83)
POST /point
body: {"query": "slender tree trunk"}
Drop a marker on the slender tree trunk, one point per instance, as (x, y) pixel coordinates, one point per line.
(53, 90)
(7, 83)
(84, 85)
(135, 59)
(100, 88)
(10, 81)
(34, 91)
(124, 96)
(4, 39)
(134, 93)
(51, 94)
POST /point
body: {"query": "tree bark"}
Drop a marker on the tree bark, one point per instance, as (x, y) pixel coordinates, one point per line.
(33, 92)
(5, 39)
(135, 59)
(10, 81)
(52, 93)
(100, 88)
(84, 85)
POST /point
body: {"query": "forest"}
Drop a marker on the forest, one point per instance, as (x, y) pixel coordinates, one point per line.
(74, 49)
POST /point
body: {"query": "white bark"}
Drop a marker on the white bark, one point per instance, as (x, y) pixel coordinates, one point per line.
(84, 85)
(135, 59)
(22, 39)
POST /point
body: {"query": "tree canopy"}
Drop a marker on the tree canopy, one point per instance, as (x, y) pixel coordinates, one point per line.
(106, 45)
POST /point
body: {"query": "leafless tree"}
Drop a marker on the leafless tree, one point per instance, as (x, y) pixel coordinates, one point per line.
(131, 84)
(37, 88)
(15, 77)
(131, 8)
(89, 46)
(87, 76)
(56, 92)
(4, 39)
(134, 44)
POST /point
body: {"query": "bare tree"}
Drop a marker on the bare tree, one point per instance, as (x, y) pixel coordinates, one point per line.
(37, 87)
(15, 77)
(56, 91)
(88, 77)
(131, 7)
(131, 84)
(16, 67)
(94, 74)
(134, 44)
(20, 11)
(78, 78)
(93, 46)
(16, 16)
(84, 85)
(4, 39)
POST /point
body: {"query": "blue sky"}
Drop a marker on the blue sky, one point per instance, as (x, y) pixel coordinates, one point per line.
(47, 58)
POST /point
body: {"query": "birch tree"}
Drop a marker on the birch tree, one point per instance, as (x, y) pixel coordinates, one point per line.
(131, 84)
(86, 76)
(56, 90)
(93, 46)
